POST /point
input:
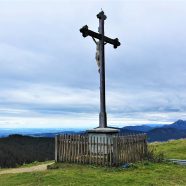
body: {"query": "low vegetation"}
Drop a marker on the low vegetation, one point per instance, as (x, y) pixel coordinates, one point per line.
(147, 173)
(72, 174)
(173, 149)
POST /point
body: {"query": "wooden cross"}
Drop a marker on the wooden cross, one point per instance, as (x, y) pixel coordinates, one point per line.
(102, 41)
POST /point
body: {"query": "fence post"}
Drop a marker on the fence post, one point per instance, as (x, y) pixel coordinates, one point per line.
(145, 145)
(56, 148)
(115, 150)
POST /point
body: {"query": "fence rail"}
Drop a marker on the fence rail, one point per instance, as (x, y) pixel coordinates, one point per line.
(106, 151)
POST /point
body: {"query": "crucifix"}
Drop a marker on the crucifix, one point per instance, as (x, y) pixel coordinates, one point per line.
(100, 58)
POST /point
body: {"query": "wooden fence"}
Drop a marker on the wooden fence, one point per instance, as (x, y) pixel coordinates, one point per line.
(106, 151)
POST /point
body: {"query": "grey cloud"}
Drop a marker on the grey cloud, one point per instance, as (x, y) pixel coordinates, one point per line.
(43, 53)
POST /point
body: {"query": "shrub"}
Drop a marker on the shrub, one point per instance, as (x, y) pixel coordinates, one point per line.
(154, 156)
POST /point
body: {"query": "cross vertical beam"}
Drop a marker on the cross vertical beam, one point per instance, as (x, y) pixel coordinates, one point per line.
(102, 41)
(102, 114)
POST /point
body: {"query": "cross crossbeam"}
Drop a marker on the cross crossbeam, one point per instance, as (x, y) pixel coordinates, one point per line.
(86, 32)
(102, 41)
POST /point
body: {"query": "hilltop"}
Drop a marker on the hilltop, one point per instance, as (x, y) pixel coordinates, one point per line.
(145, 173)
(173, 149)
(180, 124)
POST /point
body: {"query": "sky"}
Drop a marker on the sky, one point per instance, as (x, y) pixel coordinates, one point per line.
(48, 73)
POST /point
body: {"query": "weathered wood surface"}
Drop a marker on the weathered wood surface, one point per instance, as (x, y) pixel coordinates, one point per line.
(100, 150)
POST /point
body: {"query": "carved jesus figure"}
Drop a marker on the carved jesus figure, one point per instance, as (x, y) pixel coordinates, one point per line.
(98, 55)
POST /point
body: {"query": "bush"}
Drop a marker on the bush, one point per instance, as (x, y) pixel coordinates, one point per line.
(154, 156)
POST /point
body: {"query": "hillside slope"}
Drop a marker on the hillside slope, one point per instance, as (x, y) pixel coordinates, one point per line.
(17, 150)
(173, 149)
(164, 134)
(141, 128)
(180, 124)
(142, 174)
(80, 175)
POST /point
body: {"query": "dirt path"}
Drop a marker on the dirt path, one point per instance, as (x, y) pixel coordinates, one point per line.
(35, 168)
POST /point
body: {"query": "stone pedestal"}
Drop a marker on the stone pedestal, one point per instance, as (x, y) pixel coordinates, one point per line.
(101, 139)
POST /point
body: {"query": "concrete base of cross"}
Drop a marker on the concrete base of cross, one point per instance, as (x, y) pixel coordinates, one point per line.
(106, 130)
(101, 140)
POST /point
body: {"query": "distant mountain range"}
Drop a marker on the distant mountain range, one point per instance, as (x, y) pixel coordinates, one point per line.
(154, 132)
(38, 132)
(180, 124)
(142, 128)
(176, 130)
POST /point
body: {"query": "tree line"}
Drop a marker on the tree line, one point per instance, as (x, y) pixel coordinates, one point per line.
(17, 150)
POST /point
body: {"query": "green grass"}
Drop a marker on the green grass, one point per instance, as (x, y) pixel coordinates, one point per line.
(72, 174)
(174, 149)
(140, 174)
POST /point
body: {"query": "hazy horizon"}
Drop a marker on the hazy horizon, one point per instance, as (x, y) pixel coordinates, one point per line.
(79, 128)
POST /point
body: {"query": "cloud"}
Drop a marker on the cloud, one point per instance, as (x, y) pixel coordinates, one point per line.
(48, 72)
(62, 106)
